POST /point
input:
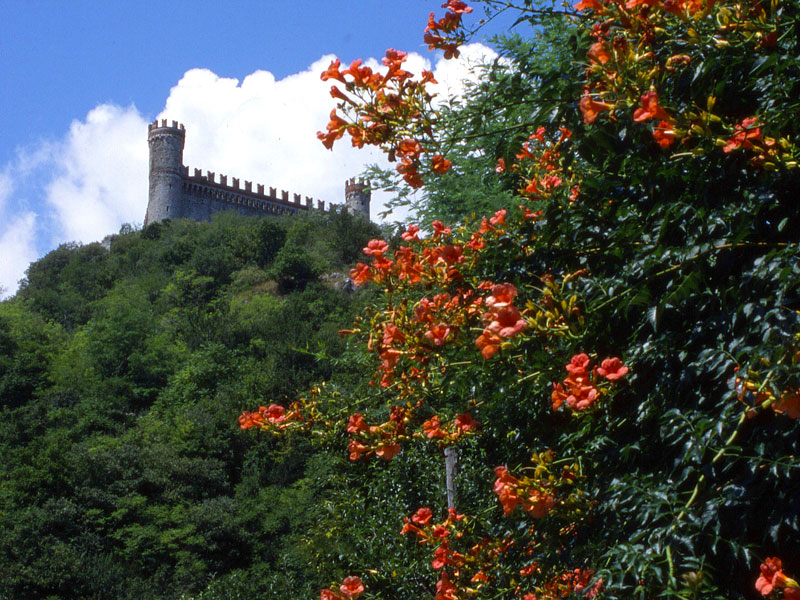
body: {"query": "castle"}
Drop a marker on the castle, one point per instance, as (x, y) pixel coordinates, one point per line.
(175, 194)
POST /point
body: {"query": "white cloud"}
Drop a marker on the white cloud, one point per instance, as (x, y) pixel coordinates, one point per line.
(6, 187)
(17, 249)
(261, 130)
(16, 239)
(101, 174)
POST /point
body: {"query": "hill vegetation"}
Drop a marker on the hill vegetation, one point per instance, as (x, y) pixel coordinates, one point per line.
(122, 372)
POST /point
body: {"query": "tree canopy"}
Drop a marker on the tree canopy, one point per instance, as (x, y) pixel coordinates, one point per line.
(599, 314)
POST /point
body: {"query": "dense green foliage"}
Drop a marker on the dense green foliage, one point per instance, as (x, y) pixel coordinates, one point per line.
(122, 372)
(685, 263)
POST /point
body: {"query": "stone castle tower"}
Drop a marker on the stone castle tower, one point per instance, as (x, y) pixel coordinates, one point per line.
(175, 194)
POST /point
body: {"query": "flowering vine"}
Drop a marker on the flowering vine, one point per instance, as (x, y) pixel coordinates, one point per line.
(642, 47)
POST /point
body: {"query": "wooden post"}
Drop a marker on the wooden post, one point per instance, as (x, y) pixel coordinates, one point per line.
(451, 470)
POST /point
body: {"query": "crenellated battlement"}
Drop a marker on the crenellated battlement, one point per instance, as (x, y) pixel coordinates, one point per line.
(178, 127)
(176, 191)
(261, 192)
(354, 185)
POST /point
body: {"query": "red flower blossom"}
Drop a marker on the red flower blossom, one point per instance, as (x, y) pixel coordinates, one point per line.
(769, 569)
(591, 108)
(445, 589)
(537, 504)
(501, 165)
(439, 229)
(581, 580)
(449, 254)
(581, 397)
(352, 587)
(389, 358)
(432, 428)
(558, 396)
(440, 165)
(598, 53)
(789, 404)
(408, 169)
(528, 214)
(360, 274)
(465, 422)
(422, 312)
(393, 59)
(650, 109)
(248, 420)
(328, 595)
(376, 248)
(356, 449)
(499, 217)
(409, 148)
(743, 134)
(507, 322)
(427, 77)
(664, 134)
(612, 369)
(356, 423)
(410, 234)
(488, 343)
(392, 334)
(437, 334)
(578, 366)
(388, 451)
(335, 127)
(457, 6)
(332, 72)
(423, 516)
(505, 487)
(586, 4)
(502, 295)
(339, 94)
(274, 414)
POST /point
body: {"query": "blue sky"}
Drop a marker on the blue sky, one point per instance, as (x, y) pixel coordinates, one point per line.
(79, 80)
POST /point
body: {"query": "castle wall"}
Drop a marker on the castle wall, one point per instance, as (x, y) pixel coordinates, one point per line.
(175, 194)
(202, 197)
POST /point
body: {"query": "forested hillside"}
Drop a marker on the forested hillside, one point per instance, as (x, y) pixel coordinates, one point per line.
(122, 371)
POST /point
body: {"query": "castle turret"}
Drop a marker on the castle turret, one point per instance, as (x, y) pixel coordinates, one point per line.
(357, 197)
(166, 171)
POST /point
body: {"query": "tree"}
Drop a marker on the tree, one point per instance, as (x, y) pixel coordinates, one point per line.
(618, 350)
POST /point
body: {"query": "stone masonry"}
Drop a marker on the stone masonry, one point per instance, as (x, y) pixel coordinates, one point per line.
(177, 194)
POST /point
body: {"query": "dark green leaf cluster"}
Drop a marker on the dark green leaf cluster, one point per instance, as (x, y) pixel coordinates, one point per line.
(692, 277)
(123, 369)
